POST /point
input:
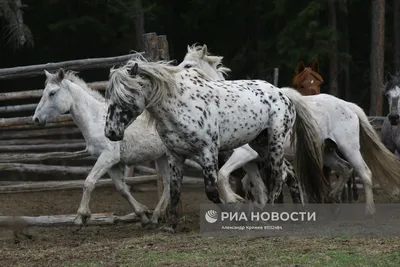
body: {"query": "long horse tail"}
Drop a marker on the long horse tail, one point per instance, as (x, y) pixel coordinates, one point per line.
(384, 165)
(308, 161)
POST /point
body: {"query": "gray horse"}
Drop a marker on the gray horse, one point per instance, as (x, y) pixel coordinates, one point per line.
(390, 133)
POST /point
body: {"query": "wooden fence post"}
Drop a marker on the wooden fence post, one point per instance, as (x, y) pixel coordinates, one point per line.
(276, 75)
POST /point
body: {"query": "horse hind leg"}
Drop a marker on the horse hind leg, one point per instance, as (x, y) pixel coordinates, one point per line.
(161, 209)
(273, 153)
(295, 189)
(360, 167)
(141, 210)
(254, 185)
(239, 158)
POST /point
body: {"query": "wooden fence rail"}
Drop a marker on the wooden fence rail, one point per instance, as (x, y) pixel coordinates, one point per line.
(80, 64)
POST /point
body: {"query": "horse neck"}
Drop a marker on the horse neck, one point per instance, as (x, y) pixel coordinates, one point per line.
(87, 112)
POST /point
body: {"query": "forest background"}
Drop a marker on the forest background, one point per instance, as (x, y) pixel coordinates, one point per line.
(357, 42)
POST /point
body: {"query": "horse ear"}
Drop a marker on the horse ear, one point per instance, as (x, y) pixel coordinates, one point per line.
(60, 74)
(134, 70)
(315, 66)
(204, 51)
(48, 74)
(300, 67)
(389, 76)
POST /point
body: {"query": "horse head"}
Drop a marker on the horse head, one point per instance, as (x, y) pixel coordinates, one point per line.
(307, 79)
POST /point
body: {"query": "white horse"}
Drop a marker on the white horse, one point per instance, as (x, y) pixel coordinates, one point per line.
(343, 125)
(65, 92)
(197, 116)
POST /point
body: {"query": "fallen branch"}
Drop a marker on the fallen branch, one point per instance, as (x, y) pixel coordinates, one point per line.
(68, 220)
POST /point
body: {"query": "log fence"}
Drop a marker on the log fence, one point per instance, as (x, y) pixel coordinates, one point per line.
(26, 147)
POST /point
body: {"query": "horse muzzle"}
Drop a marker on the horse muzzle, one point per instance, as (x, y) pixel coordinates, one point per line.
(394, 119)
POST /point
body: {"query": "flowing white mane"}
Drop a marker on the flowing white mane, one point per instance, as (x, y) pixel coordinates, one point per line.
(195, 53)
(159, 75)
(70, 75)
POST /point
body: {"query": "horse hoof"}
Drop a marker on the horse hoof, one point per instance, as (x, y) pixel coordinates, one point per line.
(167, 229)
(213, 195)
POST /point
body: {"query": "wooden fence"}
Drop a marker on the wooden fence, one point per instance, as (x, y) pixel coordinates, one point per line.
(55, 152)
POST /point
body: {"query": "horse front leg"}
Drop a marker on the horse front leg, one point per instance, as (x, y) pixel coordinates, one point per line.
(104, 162)
(175, 173)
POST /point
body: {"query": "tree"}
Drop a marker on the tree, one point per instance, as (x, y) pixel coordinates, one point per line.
(377, 56)
(139, 25)
(333, 59)
(17, 33)
(396, 34)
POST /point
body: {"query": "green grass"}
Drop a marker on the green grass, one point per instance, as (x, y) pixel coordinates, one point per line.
(192, 250)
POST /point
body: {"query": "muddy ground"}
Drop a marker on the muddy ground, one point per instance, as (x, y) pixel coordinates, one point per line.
(130, 245)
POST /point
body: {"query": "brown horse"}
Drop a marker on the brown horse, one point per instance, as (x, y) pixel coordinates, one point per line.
(308, 81)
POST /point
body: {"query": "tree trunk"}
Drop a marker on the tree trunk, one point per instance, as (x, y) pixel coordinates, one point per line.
(377, 56)
(333, 61)
(396, 34)
(346, 49)
(139, 25)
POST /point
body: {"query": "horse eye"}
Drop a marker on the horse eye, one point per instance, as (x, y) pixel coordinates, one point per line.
(52, 93)
(187, 66)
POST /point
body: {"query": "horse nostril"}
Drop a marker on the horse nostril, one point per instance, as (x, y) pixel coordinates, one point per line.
(36, 120)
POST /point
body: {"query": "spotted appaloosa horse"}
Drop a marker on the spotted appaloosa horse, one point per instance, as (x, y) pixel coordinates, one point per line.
(342, 123)
(308, 81)
(197, 116)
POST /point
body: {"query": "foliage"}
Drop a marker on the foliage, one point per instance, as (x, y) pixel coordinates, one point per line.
(254, 37)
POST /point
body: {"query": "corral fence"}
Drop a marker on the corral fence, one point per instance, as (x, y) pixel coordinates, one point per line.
(56, 152)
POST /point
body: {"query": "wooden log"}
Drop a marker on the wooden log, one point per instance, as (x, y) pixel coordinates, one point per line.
(39, 133)
(80, 64)
(150, 42)
(68, 220)
(68, 123)
(35, 157)
(145, 169)
(43, 147)
(9, 122)
(18, 108)
(32, 94)
(38, 141)
(78, 184)
(45, 169)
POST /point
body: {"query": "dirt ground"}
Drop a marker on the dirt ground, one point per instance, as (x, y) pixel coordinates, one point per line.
(130, 245)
